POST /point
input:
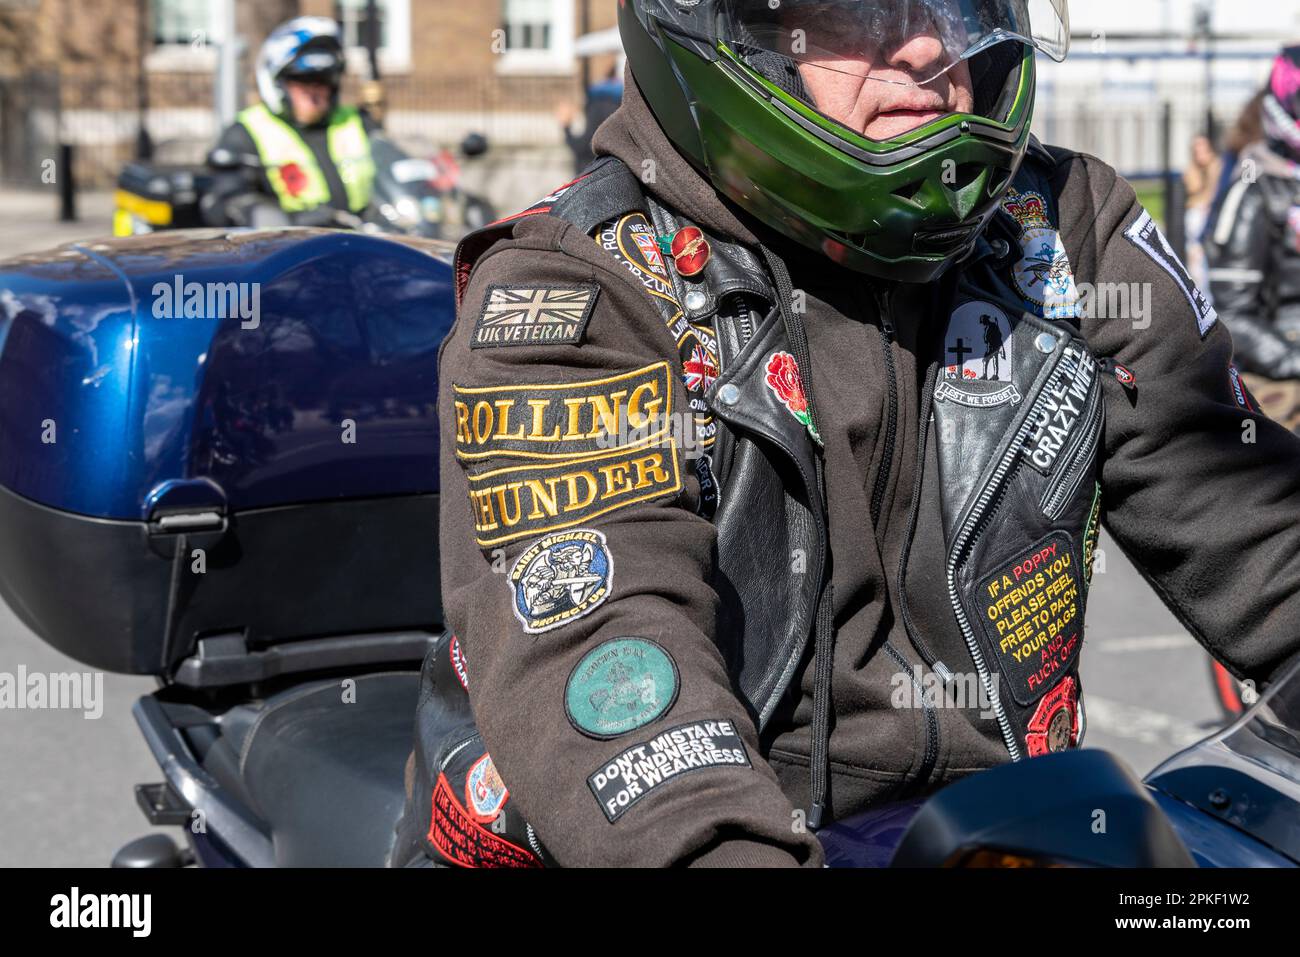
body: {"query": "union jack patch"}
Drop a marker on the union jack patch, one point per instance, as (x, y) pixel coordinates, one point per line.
(700, 369)
(534, 315)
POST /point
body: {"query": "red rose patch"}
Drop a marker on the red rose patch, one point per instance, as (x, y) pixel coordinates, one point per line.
(786, 384)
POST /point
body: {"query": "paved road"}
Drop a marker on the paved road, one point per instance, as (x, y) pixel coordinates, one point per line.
(66, 786)
(29, 220)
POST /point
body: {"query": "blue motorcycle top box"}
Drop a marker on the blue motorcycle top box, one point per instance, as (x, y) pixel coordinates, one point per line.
(218, 447)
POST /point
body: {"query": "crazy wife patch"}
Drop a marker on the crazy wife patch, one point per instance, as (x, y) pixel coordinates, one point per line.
(1031, 614)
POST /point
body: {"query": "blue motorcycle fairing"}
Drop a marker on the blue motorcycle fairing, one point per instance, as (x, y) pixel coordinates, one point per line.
(106, 393)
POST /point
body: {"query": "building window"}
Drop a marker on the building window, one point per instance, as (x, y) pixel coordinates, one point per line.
(538, 36)
(394, 33)
(181, 22)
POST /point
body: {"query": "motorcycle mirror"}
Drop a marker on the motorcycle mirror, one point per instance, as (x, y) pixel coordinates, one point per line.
(476, 144)
(1079, 808)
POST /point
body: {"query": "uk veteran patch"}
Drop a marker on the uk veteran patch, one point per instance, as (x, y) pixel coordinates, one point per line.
(534, 315)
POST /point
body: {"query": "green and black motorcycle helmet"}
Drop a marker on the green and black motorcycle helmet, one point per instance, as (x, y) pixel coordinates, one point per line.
(735, 84)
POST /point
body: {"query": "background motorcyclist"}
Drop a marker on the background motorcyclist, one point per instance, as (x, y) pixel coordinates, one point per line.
(1252, 241)
(298, 153)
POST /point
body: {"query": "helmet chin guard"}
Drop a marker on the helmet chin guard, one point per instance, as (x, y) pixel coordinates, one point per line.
(758, 122)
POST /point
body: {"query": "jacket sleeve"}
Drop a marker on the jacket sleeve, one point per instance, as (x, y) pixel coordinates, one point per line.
(1238, 243)
(580, 583)
(1200, 490)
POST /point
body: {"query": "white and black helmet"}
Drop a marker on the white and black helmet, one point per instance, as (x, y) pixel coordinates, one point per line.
(304, 47)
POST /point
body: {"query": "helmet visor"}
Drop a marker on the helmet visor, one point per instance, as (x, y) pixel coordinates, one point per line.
(905, 42)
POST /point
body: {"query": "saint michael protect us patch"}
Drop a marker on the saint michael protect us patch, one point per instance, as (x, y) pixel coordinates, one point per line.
(1146, 236)
(534, 315)
(561, 578)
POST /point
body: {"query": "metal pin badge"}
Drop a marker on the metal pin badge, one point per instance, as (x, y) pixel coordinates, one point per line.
(690, 251)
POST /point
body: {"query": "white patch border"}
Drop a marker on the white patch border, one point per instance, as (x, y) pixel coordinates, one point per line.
(1134, 235)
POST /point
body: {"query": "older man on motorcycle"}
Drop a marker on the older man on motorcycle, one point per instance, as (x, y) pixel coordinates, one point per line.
(298, 154)
(784, 371)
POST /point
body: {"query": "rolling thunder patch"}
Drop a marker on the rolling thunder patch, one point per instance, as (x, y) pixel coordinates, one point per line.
(637, 772)
(516, 502)
(533, 315)
(563, 421)
(1030, 613)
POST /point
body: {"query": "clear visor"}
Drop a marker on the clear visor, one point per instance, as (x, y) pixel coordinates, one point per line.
(904, 42)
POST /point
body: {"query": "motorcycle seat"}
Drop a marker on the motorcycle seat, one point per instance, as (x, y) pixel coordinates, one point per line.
(323, 765)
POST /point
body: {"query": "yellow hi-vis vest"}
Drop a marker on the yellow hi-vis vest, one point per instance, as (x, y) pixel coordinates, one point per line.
(291, 166)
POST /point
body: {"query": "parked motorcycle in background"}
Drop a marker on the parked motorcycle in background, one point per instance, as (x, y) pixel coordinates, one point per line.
(411, 196)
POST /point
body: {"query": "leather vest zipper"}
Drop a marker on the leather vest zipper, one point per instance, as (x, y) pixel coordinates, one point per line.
(981, 510)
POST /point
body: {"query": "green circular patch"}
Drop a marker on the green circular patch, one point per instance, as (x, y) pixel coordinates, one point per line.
(620, 685)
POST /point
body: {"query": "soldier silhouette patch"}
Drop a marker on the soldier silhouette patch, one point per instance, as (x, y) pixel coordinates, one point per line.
(977, 361)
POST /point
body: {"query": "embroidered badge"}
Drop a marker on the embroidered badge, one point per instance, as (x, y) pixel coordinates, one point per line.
(564, 421)
(1030, 610)
(654, 259)
(1043, 276)
(526, 500)
(623, 239)
(464, 841)
(633, 243)
(782, 377)
(1055, 724)
(458, 662)
(977, 363)
(1239, 391)
(485, 792)
(619, 686)
(700, 369)
(1146, 236)
(561, 578)
(1091, 535)
(1065, 404)
(637, 772)
(534, 315)
(690, 251)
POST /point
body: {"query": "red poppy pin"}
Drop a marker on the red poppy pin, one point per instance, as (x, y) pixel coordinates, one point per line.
(787, 385)
(294, 179)
(690, 251)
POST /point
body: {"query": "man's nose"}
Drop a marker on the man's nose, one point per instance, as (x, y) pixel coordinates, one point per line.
(916, 54)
